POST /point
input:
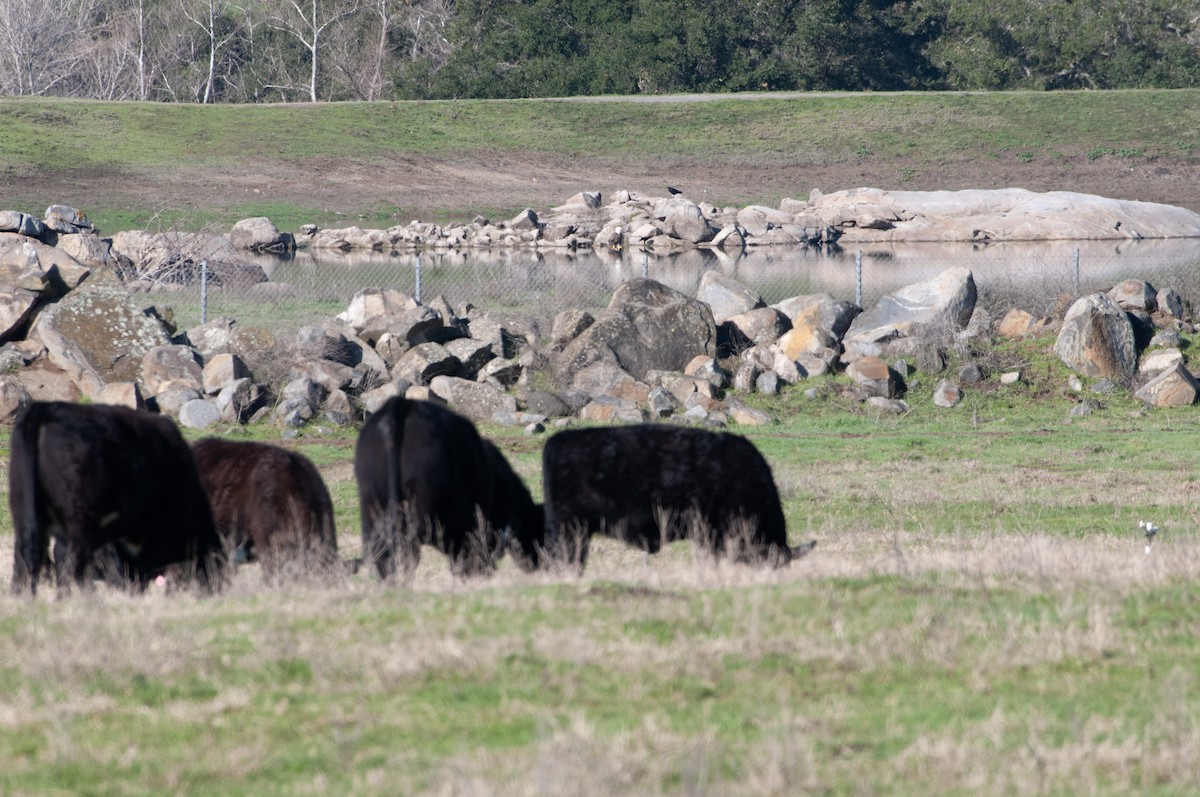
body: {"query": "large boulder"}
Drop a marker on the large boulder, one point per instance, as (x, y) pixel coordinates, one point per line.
(1097, 339)
(372, 307)
(1010, 214)
(260, 234)
(476, 400)
(726, 296)
(35, 266)
(1174, 387)
(98, 334)
(685, 220)
(942, 304)
(646, 326)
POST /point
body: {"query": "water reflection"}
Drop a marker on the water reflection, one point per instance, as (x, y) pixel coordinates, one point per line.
(1030, 275)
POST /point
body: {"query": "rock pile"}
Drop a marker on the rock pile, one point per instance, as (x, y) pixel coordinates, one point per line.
(861, 215)
(73, 329)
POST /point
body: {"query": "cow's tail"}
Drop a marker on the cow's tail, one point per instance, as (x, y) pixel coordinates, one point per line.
(23, 470)
(802, 550)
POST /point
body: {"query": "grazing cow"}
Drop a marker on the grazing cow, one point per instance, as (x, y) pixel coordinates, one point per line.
(425, 476)
(649, 484)
(93, 477)
(269, 504)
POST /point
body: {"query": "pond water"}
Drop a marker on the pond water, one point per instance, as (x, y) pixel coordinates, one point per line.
(1031, 276)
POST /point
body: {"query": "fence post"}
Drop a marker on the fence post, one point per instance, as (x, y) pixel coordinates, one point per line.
(1077, 271)
(203, 291)
(417, 289)
(858, 278)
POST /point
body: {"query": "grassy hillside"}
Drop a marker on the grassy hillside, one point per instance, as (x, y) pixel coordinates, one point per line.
(979, 617)
(132, 162)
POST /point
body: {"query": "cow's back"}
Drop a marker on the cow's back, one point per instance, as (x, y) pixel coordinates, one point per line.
(651, 483)
(268, 498)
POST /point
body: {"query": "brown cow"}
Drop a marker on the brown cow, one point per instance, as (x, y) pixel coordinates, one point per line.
(270, 504)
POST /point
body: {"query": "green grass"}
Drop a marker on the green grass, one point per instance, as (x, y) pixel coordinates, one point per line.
(978, 618)
(918, 131)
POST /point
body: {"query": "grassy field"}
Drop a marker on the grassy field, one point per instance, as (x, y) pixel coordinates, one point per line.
(113, 156)
(979, 617)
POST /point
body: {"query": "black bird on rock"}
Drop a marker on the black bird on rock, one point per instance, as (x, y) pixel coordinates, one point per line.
(673, 191)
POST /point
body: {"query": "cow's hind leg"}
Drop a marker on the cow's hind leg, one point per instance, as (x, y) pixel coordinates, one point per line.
(30, 552)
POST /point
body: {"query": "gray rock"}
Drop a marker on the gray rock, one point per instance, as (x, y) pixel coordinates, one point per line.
(946, 394)
(1170, 302)
(725, 296)
(505, 372)
(746, 375)
(874, 375)
(661, 403)
(171, 401)
(171, 367)
(1097, 339)
(893, 406)
(425, 361)
(370, 305)
(607, 409)
(758, 326)
(472, 355)
(1134, 294)
(1174, 387)
(570, 324)
(646, 326)
(222, 370)
(122, 394)
(475, 400)
(21, 223)
(767, 383)
(294, 412)
(14, 397)
(971, 374)
(686, 221)
(1159, 360)
(545, 403)
(260, 235)
(944, 303)
(199, 414)
(373, 399)
(820, 313)
(97, 334)
(66, 219)
(238, 400)
(748, 416)
(337, 409)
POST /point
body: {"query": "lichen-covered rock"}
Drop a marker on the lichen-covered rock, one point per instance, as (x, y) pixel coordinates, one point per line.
(97, 334)
(646, 326)
(1097, 339)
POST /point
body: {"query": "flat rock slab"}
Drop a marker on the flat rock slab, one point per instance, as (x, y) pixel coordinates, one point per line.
(1009, 214)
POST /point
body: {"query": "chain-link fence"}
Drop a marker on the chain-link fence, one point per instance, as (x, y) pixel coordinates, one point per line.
(312, 286)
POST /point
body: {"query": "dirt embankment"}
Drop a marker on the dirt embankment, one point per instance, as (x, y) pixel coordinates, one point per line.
(432, 188)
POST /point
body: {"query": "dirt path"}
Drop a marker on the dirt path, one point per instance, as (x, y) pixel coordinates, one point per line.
(429, 188)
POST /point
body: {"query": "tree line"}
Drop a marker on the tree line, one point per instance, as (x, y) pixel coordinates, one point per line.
(239, 51)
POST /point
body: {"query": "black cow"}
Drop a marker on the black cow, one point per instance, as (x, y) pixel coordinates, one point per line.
(649, 484)
(269, 504)
(97, 476)
(425, 476)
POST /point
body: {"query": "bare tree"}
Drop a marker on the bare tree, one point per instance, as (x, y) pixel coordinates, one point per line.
(42, 43)
(212, 18)
(308, 21)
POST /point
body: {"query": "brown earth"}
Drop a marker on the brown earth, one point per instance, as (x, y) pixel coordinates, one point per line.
(430, 188)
